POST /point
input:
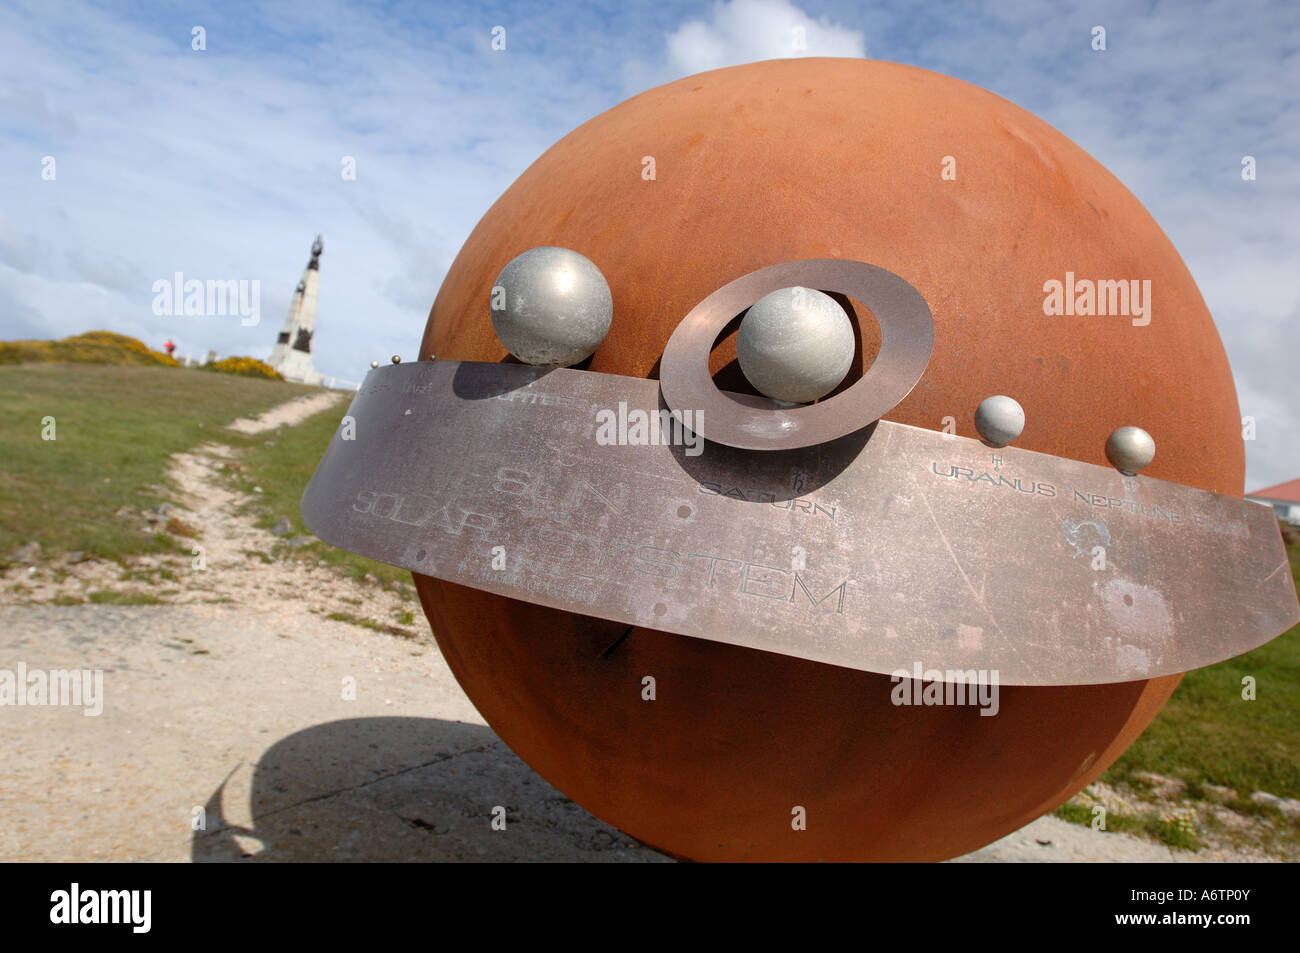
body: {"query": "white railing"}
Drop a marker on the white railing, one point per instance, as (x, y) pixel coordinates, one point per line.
(338, 383)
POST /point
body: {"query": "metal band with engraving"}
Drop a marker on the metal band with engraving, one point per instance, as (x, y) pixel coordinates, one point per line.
(882, 549)
(756, 423)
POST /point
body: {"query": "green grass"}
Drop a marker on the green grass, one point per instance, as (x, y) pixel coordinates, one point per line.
(115, 427)
(150, 576)
(1167, 832)
(1149, 824)
(1074, 813)
(109, 597)
(370, 624)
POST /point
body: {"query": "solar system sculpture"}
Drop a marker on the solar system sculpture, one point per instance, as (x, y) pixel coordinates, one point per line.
(770, 404)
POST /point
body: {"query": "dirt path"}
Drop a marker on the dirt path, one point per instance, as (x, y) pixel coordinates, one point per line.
(248, 703)
(231, 559)
(287, 414)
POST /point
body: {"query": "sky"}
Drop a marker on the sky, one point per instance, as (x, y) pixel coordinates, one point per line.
(224, 162)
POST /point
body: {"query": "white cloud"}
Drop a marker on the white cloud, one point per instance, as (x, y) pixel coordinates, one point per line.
(744, 31)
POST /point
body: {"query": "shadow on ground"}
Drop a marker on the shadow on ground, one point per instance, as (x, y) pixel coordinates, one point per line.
(400, 789)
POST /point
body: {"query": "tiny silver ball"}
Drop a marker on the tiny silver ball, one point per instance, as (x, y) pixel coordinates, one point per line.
(1129, 449)
(999, 420)
(397, 359)
(551, 307)
(373, 365)
(795, 345)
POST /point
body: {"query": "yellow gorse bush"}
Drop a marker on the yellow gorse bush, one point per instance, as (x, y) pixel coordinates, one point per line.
(93, 347)
(245, 367)
(109, 347)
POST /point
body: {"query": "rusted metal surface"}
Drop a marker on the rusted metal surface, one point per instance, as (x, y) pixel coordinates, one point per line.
(871, 552)
(906, 339)
(833, 158)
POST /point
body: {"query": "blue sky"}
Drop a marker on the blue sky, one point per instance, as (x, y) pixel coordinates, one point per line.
(225, 163)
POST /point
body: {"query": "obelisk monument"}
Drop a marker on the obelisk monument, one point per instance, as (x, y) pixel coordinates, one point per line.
(291, 355)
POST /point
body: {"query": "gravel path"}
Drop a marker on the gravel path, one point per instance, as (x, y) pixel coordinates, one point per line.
(233, 562)
(289, 413)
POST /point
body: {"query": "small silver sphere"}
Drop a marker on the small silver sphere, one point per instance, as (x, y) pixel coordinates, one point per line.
(551, 306)
(999, 420)
(397, 359)
(1129, 449)
(795, 345)
(373, 365)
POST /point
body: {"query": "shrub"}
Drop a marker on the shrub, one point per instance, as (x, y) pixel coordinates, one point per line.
(244, 367)
(93, 347)
(26, 352)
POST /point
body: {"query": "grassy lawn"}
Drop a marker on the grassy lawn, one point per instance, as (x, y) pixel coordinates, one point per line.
(114, 429)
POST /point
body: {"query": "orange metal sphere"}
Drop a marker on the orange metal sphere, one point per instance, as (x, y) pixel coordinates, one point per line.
(837, 158)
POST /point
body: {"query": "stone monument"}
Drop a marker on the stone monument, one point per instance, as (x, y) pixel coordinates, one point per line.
(291, 355)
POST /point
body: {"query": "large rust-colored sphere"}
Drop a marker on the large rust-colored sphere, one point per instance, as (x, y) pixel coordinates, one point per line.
(837, 158)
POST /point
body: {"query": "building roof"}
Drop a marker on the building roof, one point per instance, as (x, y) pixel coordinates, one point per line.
(1288, 492)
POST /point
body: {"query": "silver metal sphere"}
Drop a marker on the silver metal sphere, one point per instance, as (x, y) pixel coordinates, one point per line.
(795, 345)
(999, 420)
(1129, 449)
(397, 359)
(551, 306)
(373, 365)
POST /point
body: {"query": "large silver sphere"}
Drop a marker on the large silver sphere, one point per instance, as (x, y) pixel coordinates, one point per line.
(551, 306)
(795, 345)
(999, 420)
(1129, 449)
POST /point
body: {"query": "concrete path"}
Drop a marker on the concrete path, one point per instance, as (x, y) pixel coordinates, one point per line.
(208, 714)
(211, 716)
